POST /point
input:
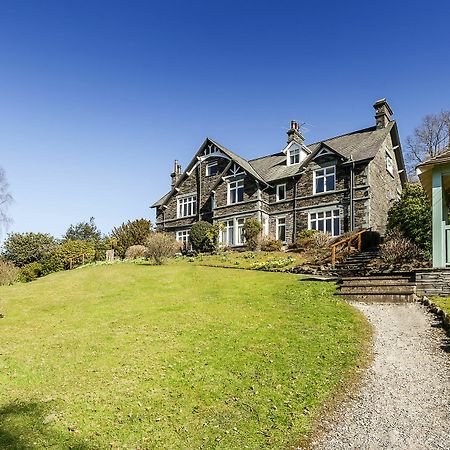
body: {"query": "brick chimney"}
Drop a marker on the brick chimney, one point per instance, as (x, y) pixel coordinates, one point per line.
(294, 133)
(383, 113)
(175, 175)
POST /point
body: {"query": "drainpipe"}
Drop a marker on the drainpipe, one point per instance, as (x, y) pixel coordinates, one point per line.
(352, 189)
(294, 212)
(199, 190)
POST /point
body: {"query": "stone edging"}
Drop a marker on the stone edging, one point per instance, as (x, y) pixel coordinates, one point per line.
(440, 313)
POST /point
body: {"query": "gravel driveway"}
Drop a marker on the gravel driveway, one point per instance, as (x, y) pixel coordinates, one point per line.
(404, 402)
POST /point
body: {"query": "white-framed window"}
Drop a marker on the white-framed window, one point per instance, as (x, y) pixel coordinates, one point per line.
(212, 168)
(233, 231)
(228, 232)
(280, 229)
(327, 221)
(281, 192)
(240, 231)
(183, 238)
(187, 206)
(265, 223)
(235, 191)
(389, 164)
(324, 179)
(294, 156)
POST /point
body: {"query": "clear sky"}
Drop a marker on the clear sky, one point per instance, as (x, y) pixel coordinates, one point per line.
(97, 98)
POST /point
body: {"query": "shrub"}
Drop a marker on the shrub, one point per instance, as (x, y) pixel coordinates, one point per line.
(136, 251)
(271, 245)
(252, 232)
(305, 239)
(161, 246)
(131, 233)
(68, 255)
(213, 236)
(321, 240)
(199, 236)
(398, 249)
(31, 271)
(411, 214)
(9, 273)
(24, 248)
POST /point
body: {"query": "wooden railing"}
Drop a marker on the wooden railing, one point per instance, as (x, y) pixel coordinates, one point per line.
(74, 259)
(344, 246)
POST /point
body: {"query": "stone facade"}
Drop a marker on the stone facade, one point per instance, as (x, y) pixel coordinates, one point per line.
(364, 185)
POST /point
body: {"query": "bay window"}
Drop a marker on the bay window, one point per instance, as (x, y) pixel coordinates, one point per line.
(280, 230)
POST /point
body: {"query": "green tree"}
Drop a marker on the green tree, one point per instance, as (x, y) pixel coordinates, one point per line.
(411, 214)
(130, 233)
(25, 248)
(252, 232)
(83, 231)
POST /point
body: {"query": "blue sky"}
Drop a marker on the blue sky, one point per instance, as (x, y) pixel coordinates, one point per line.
(98, 98)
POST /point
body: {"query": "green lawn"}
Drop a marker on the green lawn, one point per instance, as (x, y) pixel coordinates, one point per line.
(443, 303)
(172, 357)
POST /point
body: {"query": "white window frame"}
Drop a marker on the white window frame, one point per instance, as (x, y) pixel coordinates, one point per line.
(240, 239)
(235, 185)
(389, 164)
(183, 236)
(233, 227)
(278, 199)
(209, 166)
(190, 200)
(277, 224)
(293, 153)
(324, 176)
(321, 215)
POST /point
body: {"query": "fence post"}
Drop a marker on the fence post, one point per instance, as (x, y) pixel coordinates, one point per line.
(333, 255)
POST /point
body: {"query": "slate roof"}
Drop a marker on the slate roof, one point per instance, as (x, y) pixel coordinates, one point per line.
(360, 145)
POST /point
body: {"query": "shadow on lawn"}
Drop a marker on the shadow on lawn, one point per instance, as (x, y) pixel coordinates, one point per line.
(22, 427)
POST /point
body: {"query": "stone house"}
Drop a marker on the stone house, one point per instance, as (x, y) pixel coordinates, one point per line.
(340, 184)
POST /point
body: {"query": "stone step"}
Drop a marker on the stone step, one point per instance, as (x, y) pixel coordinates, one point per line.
(380, 298)
(361, 290)
(386, 282)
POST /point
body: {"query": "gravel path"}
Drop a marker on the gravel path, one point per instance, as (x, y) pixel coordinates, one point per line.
(404, 402)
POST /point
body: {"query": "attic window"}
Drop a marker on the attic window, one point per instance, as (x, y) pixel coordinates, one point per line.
(294, 156)
(212, 168)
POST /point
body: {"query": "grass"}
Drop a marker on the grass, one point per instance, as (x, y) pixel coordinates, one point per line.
(178, 356)
(249, 260)
(443, 303)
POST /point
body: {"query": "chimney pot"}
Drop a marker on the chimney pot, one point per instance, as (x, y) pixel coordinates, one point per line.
(383, 113)
(294, 133)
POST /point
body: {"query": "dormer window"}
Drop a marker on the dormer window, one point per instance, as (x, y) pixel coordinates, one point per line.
(294, 156)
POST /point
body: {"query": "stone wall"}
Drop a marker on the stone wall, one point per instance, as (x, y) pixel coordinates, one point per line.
(385, 188)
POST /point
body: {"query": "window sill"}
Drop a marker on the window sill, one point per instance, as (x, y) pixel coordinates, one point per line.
(186, 217)
(326, 192)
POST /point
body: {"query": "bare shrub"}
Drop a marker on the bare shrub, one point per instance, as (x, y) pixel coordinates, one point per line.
(321, 239)
(161, 246)
(397, 249)
(269, 244)
(9, 273)
(136, 251)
